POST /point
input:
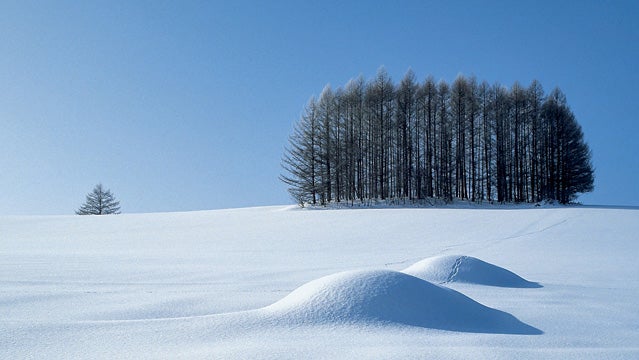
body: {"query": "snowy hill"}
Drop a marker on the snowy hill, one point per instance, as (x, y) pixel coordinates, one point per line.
(282, 282)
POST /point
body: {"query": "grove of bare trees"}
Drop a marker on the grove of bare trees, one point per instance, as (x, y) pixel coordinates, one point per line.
(374, 140)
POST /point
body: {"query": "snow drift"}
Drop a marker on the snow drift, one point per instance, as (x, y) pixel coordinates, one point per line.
(385, 296)
(466, 269)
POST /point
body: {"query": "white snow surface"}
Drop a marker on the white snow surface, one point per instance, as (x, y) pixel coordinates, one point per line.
(282, 282)
(459, 268)
(391, 297)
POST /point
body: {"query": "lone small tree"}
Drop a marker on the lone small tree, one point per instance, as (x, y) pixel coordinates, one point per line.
(99, 202)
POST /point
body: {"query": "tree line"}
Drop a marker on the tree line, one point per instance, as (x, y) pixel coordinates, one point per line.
(374, 140)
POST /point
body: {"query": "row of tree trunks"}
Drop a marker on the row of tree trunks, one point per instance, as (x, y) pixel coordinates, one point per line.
(471, 141)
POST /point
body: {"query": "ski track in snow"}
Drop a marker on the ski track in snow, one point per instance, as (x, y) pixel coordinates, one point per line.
(406, 261)
(484, 245)
(537, 231)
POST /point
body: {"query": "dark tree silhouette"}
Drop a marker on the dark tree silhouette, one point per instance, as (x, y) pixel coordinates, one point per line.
(99, 202)
(420, 142)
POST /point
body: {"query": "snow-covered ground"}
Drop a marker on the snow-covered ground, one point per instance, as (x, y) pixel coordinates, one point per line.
(282, 282)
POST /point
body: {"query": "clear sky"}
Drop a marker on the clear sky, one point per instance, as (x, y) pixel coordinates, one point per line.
(187, 105)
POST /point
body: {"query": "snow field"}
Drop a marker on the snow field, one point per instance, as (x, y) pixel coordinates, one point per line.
(280, 282)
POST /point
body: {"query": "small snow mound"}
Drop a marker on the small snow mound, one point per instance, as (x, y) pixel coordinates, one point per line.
(466, 269)
(390, 297)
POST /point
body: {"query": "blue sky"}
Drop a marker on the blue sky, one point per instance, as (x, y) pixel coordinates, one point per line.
(185, 105)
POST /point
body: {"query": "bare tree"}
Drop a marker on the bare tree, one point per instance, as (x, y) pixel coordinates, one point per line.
(405, 126)
(99, 202)
(300, 159)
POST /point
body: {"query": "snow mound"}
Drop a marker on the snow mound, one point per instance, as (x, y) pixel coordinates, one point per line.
(466, 269)
(385, 296)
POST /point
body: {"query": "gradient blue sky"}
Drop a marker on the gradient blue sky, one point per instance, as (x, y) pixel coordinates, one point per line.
(187, 105)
